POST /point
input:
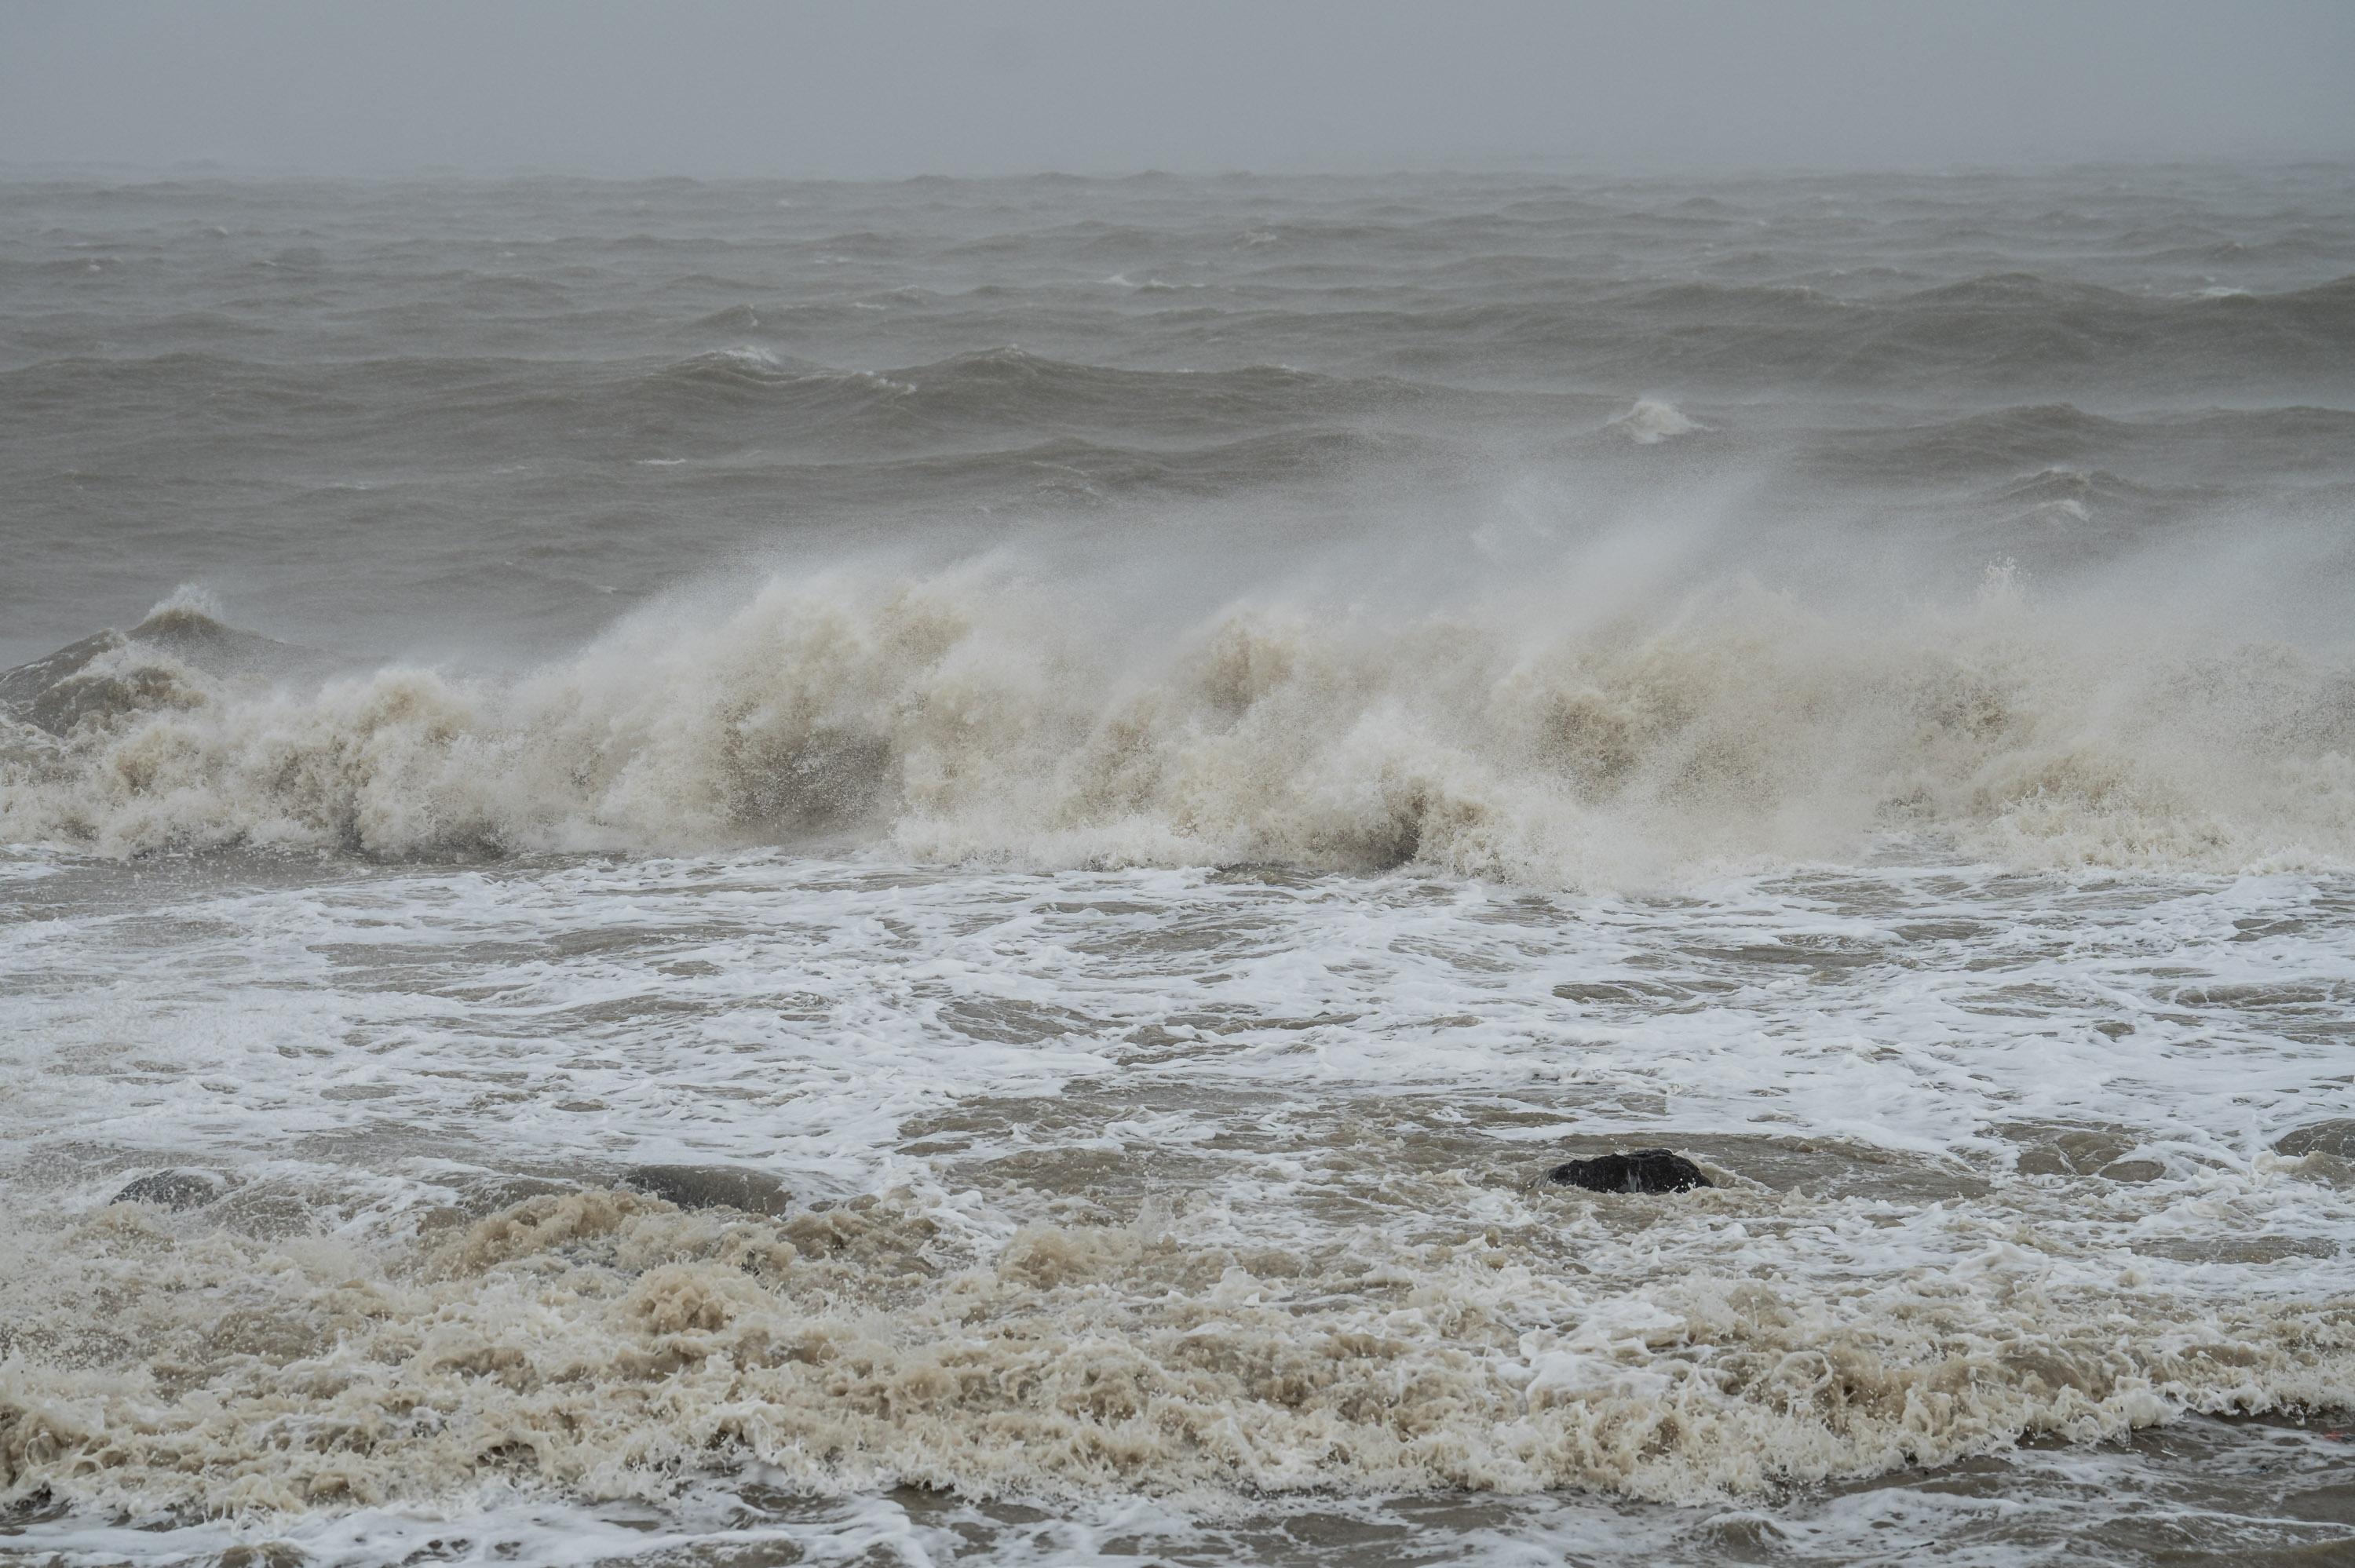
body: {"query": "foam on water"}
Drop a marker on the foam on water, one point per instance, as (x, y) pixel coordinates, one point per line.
(602, 1344)
(1163, 1185)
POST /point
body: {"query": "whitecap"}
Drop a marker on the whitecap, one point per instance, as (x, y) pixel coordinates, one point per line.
(1653, 420)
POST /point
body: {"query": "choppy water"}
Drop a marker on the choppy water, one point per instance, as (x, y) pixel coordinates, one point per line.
(1145, 756)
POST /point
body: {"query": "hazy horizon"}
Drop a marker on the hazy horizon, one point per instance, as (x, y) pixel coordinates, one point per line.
(724, 89)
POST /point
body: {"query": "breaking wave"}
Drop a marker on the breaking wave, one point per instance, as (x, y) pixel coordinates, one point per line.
(981, 714)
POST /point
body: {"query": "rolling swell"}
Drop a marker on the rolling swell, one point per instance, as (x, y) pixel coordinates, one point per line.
(750, 398)
(719, 399)
(978, 715)
(2006, 333)
(1007, 394)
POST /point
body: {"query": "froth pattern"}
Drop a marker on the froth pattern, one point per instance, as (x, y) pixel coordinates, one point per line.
(609, 1346)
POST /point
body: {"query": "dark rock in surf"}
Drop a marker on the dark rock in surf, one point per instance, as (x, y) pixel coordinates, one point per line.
(173, 1188)
(710, 1187)
(1645, 1170)
(2336, 1139)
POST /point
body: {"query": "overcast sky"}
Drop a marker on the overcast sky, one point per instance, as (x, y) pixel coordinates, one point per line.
(730, 86)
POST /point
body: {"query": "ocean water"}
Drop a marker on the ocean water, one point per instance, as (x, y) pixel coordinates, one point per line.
(768, 873)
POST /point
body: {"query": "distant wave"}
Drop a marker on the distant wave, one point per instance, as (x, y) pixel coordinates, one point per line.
(2009, 332)
(1653, 420)
(2013, 335)
(995, 394)
(2279, 443)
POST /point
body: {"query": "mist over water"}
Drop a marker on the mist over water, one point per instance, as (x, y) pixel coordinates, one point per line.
(1153, 751)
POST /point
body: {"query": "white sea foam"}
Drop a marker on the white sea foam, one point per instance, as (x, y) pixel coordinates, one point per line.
(1158, 1184)
(602, 1344)
(1652, 421)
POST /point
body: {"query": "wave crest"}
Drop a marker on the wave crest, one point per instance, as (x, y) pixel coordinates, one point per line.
(972, 714)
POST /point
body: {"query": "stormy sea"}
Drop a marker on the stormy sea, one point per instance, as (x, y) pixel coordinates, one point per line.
(732, 874)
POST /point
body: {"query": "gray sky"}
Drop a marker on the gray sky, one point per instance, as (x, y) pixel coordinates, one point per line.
(899, 86)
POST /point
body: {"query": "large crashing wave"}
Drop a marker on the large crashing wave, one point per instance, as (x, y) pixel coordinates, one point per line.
(975, 713)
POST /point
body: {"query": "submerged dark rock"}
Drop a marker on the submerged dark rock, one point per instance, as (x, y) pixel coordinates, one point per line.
(1645, 1170)
(2332, 1137)
(173, 1188)
(710, 1187)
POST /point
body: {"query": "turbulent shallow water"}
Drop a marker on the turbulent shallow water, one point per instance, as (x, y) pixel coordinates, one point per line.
(825, 873)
